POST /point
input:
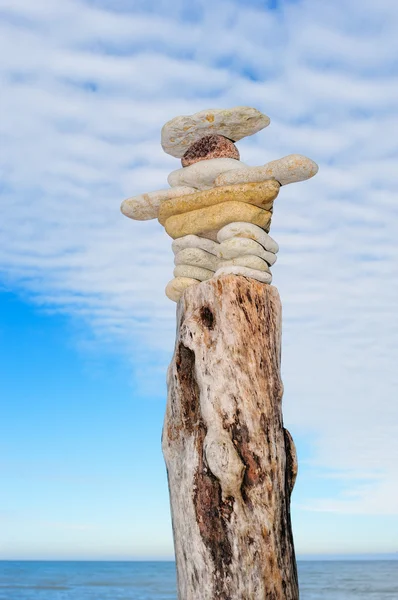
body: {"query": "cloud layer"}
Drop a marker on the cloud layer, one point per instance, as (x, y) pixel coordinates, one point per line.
(86, 89)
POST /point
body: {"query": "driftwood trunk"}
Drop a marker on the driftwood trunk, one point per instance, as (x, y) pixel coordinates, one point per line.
(231, 464)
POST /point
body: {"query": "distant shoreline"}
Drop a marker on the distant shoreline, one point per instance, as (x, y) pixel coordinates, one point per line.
(300, 558)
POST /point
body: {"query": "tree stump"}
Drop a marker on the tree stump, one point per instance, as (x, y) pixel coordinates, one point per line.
(231, 464)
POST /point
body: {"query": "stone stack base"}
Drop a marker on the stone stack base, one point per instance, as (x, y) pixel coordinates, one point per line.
(241, 249)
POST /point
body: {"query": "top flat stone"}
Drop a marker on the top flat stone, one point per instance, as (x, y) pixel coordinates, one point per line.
(233, 123)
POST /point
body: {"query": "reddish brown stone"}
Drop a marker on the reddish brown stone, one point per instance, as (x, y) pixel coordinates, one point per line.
(210, 146)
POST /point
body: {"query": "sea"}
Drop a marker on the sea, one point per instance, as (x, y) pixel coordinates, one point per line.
(53, 580)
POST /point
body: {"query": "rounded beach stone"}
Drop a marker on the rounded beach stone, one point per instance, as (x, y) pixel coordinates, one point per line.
(250, 231)
(234, 247)
(201, 175)
(194, 241)
(262, 276)
(175, 288)
(289, 169)
(233, 123)
(250, 261)
(192, 272)
(214, 217)
(196, 258)
(146, 206)
(210, 146)
(259, 194)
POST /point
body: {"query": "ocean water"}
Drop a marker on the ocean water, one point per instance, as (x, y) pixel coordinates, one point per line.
(329, 580)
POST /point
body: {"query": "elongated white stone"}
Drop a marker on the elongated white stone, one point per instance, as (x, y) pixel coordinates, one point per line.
(289, 169)
(235, 247)
(233, 123)
(262, 276)
(194, 241)
(175, 288)
(193, 272)
(146, 206)
(251, 261)
(196, 258)
(250, 231)
(201, 175)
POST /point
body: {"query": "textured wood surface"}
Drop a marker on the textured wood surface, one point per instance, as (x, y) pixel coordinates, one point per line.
(231, 464)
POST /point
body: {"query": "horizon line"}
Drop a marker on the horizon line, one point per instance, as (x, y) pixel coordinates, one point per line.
(300, 558)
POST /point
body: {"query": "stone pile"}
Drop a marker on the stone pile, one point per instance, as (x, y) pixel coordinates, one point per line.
(218, 210)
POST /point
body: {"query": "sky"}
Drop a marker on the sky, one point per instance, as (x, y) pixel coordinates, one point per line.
(86, 332)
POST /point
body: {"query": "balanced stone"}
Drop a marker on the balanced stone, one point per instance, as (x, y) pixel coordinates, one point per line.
(175, 288)
(214, 217)
(262, 276)
(288, 169)
(196, 258)
(259, 194)
(233, 123)
(251, 261)
(192, 272)
(194, 241)
(235, 247)
(146, 206)
(202, 174)
(210, 146)
(248, 230)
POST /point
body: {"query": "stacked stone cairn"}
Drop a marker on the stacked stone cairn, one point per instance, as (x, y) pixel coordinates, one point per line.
(218, 210)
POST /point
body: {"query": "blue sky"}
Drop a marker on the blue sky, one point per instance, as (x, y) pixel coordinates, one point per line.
(86, 332)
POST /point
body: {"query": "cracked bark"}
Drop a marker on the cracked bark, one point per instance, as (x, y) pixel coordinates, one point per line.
(231, 465)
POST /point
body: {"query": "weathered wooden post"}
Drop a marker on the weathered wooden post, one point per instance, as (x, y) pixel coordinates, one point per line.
(231, 464)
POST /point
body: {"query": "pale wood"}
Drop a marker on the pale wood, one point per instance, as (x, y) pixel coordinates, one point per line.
(231, 464)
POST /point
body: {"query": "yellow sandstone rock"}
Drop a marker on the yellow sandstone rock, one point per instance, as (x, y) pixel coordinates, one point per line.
(214, 217)
(259, 194)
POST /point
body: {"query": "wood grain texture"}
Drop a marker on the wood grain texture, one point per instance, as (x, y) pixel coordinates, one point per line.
(231, 464)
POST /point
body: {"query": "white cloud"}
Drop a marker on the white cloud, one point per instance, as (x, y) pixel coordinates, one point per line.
(85, 93)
